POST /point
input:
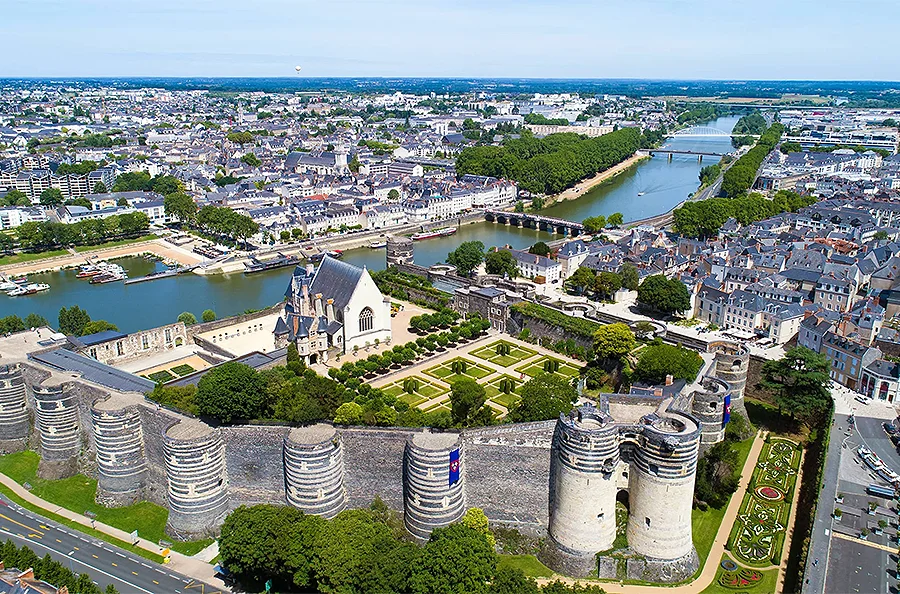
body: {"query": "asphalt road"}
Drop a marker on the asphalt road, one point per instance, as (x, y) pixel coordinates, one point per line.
(857, 568)
(102, 561)
(870, 433)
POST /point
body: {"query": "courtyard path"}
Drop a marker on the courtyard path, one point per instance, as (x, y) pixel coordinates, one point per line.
(708, 574)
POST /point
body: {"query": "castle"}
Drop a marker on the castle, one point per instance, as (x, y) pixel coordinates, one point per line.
(559, 478)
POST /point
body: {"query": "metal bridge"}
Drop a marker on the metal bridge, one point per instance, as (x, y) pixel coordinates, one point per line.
(701, 132)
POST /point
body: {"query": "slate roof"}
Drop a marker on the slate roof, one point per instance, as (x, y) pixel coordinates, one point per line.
(336, 280)
(97, 338)
(93, 371)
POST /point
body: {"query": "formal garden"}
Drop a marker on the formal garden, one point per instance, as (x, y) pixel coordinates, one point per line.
(504, 353)
(759, 531)
(414, 390)
(549, 365)
(731, 578)
(458, 368)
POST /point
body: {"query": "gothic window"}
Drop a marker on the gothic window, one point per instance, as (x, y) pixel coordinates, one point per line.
(366, 320)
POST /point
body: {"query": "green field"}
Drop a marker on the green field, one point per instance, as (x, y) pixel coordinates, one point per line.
(77, 494)
(445, 373)
(29, 257)
(536, 367)
(529, 564)
(516, 354)
(425, 392)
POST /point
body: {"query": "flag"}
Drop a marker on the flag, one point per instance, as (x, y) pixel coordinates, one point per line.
(454, 466)
(726, 413)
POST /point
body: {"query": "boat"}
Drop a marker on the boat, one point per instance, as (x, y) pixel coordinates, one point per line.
(38, 287)
(641, 193)
(436, 233)
(20, 281)
(19, 291)
(377, 245)
(88, 270)
(109, 277)
(281, 261)
(336, 254)
(8, 285)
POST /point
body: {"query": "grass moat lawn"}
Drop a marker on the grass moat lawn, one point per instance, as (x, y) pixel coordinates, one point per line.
(414, 390)
(563, 368)
(503, 353)
(458, 368)
(77, 494)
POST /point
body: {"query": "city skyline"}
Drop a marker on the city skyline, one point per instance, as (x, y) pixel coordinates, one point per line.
(672, 39)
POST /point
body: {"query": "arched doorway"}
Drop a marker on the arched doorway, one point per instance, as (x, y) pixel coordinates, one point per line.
(622, 510)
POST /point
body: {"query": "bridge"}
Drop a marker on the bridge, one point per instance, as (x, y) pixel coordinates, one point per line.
(681, 152)
(532, 221)
(701, 132)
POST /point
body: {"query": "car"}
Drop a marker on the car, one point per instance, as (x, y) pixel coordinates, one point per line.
(889, 428)
(895, 439)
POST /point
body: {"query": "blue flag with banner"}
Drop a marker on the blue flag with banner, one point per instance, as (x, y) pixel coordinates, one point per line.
(454, 466)
(726, 413)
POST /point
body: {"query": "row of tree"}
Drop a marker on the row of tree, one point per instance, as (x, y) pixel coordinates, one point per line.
(13, 323)
(753, 124)
(604, 284)
(600, 222)
(365, 550)
(74, 321)
(704, 218)
(225, 222)
(551, 164)
(740, 176)
(44, 235)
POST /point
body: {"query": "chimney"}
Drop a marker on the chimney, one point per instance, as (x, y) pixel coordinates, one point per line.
(669, 379)
(310, 268)
(319, 311)
(304, 300)
(329, 309)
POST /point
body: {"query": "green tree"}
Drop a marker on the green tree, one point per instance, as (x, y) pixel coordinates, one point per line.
(100, 188)
(208, 315)
(613, 341)
(510, 580)
(501, 262)
(615, 219)
(349, 413)
(665, 295)
(11, 324)
(476, 519)
(659, 360)
(240, 138)
(594, 224)
(630, 278)
(539, 249)
(52, 197)
(800, 383)
(34, 320)
(467, 257)
(456, 560)
(582, 279)
(607, 283)
(393, 195)
(181, 206)
(15, 198)
(187, 318)
(293, 355)
(230, 392)
(542, 398)
(123, 201)
(881, 235)
(95, 326)
(251, 159)
(132, 182)
(466, 398)
(166, 184)
(73, 320)
(718, 475)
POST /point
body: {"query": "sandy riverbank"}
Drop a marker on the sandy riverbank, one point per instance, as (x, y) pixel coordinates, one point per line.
(582, 187)
(155, 246)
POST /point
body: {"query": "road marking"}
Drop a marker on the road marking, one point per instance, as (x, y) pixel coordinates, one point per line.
(20, 524)
(155, 582)
(134, 573)
(115, 565)
(58, 540)
(120, 554)
(45, 527)
(76, 548)
(33, 535)
(145, 565)
(159, 570)
(95, 556)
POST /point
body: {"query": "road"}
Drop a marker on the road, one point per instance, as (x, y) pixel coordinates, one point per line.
(870, 433)
(81, 553)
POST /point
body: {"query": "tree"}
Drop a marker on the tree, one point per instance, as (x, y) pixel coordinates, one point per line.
(251, 159)
(665, 295)
(466, 398)
(95, 326)
(801, 384)
(73, 320)
(100, 188)
(240, 138)
(594, 224)
(615, 219)
(132, 182)
(501, 262)
(209, 315)
(607, 283)
(15, 198)
(232, 391)
(187, 318)
(467, 257)
(476, 519)
(630, 278)
(293, 355)
(660, 360)
(52, 197)
(510, 580)
(539, 249)
(123, 201)
(613, 341)
(881, 235)
(456, 560)
(181, 206)
(11, 324)
(542, 398)
(582, 279)
(718, 475)
(393, 195)
(34, 320)
(349, 413)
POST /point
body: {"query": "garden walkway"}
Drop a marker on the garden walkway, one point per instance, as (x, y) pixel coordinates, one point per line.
(708, 573)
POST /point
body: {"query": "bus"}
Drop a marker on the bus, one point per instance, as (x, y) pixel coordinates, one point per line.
(880, 491)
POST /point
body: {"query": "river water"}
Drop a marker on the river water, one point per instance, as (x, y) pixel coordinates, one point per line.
(664, 182)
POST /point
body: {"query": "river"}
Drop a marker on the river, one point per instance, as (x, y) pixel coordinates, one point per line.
(664, 182)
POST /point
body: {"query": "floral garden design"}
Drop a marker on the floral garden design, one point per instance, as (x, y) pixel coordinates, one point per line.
(758, 535)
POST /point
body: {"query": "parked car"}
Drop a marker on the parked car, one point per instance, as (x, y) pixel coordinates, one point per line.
(895, 439)
(889, 428)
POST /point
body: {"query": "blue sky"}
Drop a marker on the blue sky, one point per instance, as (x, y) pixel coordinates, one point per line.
(711, 39)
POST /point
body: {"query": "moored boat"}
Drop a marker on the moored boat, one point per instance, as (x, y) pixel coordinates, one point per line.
(436, 233)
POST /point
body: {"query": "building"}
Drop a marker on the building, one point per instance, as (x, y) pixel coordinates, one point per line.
(490, 303)
(112, 347)
(336, 306)
(13, 216)
(539, 268)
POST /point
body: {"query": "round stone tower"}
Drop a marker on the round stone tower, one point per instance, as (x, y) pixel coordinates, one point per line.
(583, 460)
(13, 409)
(196, 477)
(709, 408)
(731, 363)
(56, 409)
(121, 463)
(430, 501)
(314, 470)
(399, 250)
(661, 494)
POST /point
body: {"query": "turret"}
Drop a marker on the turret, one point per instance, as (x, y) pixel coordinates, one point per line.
(13, 409)
(314, 470)
(432, 482)
(121, 460)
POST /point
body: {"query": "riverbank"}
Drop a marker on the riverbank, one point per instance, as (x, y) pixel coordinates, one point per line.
(585, 185)
(69, 259)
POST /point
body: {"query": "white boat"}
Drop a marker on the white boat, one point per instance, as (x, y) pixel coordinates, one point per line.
(38, 287)
(19, 291)
(8, 286)
(641, 193)
(377, 245)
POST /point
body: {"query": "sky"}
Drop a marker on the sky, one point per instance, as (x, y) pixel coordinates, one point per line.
(669, 39)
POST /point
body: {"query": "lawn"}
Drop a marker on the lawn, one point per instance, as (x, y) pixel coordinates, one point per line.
(77, 494)
(506, 400)
(536, 367)
(529, 564)
(30, 257)
(425, 392)
(766, 585)
(161, 376)
(109, 244)
(444, 371)
(183, 369)
(516, 354)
